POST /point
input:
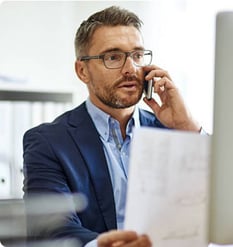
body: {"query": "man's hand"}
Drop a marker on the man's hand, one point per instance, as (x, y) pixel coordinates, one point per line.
(172, 111)
(120, 238)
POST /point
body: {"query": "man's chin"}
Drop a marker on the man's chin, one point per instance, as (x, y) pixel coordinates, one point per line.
(126, 103)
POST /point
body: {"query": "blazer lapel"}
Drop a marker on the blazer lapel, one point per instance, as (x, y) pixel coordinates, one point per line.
(87, 139)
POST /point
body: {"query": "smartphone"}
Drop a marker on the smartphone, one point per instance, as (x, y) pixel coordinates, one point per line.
(148, 88)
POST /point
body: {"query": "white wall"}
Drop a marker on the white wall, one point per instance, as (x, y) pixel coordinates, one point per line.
(36, 43)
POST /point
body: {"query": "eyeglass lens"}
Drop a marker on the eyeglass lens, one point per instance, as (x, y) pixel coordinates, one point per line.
(117, 59)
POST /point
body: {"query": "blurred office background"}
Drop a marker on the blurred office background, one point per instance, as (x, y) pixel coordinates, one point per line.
(37, 78)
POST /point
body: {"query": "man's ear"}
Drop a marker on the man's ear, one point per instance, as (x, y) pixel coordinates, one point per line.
(81, 71)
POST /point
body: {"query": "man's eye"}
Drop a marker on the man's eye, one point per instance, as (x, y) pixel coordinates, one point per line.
(138, 55)
(113, 57)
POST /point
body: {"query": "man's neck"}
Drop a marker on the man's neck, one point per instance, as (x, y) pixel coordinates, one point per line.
(122, 115)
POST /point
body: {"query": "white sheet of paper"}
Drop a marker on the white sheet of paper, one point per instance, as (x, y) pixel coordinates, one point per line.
(168, 187)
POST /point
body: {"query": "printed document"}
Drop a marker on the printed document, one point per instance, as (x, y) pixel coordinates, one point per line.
(167, 194)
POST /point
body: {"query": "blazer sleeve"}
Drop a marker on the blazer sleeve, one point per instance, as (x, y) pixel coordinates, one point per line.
(43, 174)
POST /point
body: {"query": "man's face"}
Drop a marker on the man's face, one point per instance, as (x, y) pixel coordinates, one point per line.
(116, 88)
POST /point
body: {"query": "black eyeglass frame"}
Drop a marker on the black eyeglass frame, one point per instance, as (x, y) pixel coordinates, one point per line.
(127, 54)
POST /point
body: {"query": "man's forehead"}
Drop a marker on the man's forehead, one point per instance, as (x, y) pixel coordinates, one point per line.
(114, 37)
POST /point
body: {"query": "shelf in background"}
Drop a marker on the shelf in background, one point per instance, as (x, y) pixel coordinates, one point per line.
(17, 95)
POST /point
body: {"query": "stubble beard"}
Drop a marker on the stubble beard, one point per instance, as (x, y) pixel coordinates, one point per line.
(116, 102)
(111, 98)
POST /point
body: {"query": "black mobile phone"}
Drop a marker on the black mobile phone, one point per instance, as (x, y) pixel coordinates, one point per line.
(148, 88)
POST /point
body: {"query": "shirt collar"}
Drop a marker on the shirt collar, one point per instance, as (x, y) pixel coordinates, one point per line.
(102, 120)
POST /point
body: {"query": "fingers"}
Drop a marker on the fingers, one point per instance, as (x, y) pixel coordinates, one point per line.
(155, 71)
(141, 241)
(161, 78)
(155, 106)
(163, 84)
(117, 238)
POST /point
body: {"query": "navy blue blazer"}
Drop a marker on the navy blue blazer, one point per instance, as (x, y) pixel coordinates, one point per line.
(67, 156)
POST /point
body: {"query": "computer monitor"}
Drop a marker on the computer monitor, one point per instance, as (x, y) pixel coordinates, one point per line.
(221, 179)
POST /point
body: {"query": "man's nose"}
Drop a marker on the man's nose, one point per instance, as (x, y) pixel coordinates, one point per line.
(129, 66)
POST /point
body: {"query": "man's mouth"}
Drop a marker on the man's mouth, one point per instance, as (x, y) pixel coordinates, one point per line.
(129, 85)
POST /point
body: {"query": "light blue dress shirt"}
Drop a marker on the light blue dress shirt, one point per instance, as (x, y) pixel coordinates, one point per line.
(116, 151)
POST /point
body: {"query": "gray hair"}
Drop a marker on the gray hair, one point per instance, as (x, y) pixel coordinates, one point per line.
(111, 16)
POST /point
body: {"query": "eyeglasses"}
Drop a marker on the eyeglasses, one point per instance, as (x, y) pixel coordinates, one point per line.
(117, 59)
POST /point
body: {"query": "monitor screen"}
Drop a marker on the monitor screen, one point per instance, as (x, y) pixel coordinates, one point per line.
(221, 182)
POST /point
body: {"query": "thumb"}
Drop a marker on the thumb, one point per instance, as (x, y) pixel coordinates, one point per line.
(152, 104)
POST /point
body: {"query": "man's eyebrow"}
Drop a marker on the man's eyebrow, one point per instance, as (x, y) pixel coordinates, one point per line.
(111, 49)
(118, 49)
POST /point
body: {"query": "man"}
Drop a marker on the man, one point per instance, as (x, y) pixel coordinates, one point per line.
(86, 149)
